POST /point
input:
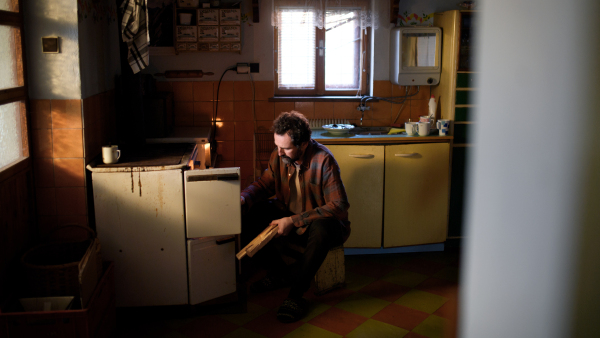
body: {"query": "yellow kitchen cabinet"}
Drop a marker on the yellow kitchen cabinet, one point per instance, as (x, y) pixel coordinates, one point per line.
(416, 194)
(361, 169)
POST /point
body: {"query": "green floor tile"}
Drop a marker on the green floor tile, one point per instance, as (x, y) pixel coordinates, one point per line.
(432, 327)
(243, 333)
(421, 300)
(356, 281)
(363, 305)
(240, 319)
(308, 330)
(404, 278)
(448, 273)
(374, 328)
(315, 310)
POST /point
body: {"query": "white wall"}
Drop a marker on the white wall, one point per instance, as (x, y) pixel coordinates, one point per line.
(534, 177)
(52, 76)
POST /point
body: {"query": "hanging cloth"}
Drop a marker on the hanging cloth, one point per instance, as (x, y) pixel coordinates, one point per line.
(134, 30)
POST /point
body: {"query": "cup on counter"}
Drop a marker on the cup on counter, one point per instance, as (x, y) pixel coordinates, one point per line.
(424, 128)
(425, 118)
(443, 126)
(411, 128)
(110, 154)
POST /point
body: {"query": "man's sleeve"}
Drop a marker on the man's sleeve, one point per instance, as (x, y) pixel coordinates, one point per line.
(336, 201)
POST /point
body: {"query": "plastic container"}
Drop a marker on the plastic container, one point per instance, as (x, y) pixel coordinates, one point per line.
(432, 110)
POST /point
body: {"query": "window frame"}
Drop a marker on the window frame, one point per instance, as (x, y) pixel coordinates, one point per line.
(17, 94)
(319, 90)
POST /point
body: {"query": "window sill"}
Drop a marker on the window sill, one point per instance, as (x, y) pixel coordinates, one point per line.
(317, 99)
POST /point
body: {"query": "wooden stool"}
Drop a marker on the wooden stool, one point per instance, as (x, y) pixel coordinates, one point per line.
(332, 273)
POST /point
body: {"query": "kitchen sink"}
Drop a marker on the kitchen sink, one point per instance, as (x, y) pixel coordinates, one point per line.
(372, 130)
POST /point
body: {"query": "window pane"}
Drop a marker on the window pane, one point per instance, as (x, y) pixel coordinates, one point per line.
(9, 5)
(11, 71)
(296, 50)
(342, 50)
(11, 144)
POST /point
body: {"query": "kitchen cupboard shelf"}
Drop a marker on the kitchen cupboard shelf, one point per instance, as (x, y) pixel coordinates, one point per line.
(462, 145)
(216, 29)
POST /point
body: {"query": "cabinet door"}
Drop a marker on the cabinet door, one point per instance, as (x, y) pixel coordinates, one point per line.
(362, 173)
(416, 194)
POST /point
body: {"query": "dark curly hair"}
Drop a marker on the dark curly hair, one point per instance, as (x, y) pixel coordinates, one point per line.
(294, 124)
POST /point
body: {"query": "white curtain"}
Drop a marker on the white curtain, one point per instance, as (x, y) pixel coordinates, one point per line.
(368, 18)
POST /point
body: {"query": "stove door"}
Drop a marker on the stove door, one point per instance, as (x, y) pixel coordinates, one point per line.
(212, 202)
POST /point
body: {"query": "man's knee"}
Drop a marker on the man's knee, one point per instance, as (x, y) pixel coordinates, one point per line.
(326, 231)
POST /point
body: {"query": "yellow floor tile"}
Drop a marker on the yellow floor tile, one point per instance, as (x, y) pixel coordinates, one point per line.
(421, 300)
(356, 281)
(363, 305)
(405, 278)
(243, 333)
(240, 319)
(432, 327)
(374, 328)
(308, 330)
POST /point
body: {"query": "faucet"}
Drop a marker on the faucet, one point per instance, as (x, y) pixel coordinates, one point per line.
(362, 107)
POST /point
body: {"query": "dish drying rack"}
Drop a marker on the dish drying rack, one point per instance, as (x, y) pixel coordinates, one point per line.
(317, 124)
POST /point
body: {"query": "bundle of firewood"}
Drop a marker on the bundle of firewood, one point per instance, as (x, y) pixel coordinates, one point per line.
(257, 243)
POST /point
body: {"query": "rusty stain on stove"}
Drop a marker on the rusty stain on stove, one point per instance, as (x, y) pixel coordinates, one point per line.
(140, 182)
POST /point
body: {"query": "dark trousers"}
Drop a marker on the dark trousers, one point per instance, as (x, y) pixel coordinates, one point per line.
(320, 236)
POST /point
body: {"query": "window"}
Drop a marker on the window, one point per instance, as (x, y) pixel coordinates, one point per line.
(321, 49)
(13, 124)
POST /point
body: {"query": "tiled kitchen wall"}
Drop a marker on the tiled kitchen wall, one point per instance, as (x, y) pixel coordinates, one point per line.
(66, 135)
(195, 103)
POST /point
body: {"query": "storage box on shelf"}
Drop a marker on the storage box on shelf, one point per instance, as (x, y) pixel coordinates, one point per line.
(207, 29)
(98, 319)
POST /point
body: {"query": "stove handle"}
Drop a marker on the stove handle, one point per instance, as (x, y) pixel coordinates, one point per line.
(225, 240)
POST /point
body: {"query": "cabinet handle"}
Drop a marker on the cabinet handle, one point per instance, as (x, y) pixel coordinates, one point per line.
(406, 155)
(362, 155)
(225, 240)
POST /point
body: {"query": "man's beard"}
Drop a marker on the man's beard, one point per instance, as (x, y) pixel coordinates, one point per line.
(289, 160)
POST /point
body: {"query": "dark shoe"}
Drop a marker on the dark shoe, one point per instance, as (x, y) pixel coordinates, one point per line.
(267, 284)
(292, 310)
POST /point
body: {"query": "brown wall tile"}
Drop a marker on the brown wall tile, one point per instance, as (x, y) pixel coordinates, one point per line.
(225, 111)
(345, 110)
(382, 88)
(203, 112)
(45, 201)
(226, 164)
(381, 113)
(41, 143)
(247, 171)
(227, 150)
(43, 171)
(283, 107)
(306, 108)
(398, 90)
(70, 201)
(225, 91)
(242, 91)
(183, 91)
(66, 114)
(264, 126)
(184, 114)
(418, 108)
(244, 150)
(404, 114)
(41, 114)
(263, 90)
(264, 110)
(242, 110)
(67, 143)
(69, 172)
(203, 91)
(323, 110)
(164, 86)
(244, 130)
(424, 93)
(225, 131)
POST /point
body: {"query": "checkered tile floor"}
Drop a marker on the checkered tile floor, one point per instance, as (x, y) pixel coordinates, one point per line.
(400, 295)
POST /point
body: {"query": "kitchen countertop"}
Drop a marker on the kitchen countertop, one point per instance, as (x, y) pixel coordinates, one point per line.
(324, 137)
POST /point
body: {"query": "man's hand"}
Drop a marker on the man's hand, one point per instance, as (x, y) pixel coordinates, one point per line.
(285, 226)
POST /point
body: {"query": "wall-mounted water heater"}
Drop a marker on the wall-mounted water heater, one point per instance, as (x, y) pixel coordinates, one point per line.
(415, 56)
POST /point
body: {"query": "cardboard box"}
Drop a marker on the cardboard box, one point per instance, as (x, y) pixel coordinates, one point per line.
(98, 319)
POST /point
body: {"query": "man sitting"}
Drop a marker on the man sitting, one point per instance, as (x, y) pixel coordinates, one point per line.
(310, 208)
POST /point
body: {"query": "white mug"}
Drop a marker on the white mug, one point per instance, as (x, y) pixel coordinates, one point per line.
(443, 126)
(424, 128)
(110, 154)
(411, 128)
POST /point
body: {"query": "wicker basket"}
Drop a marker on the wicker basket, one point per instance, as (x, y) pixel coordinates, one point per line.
(55, 269)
